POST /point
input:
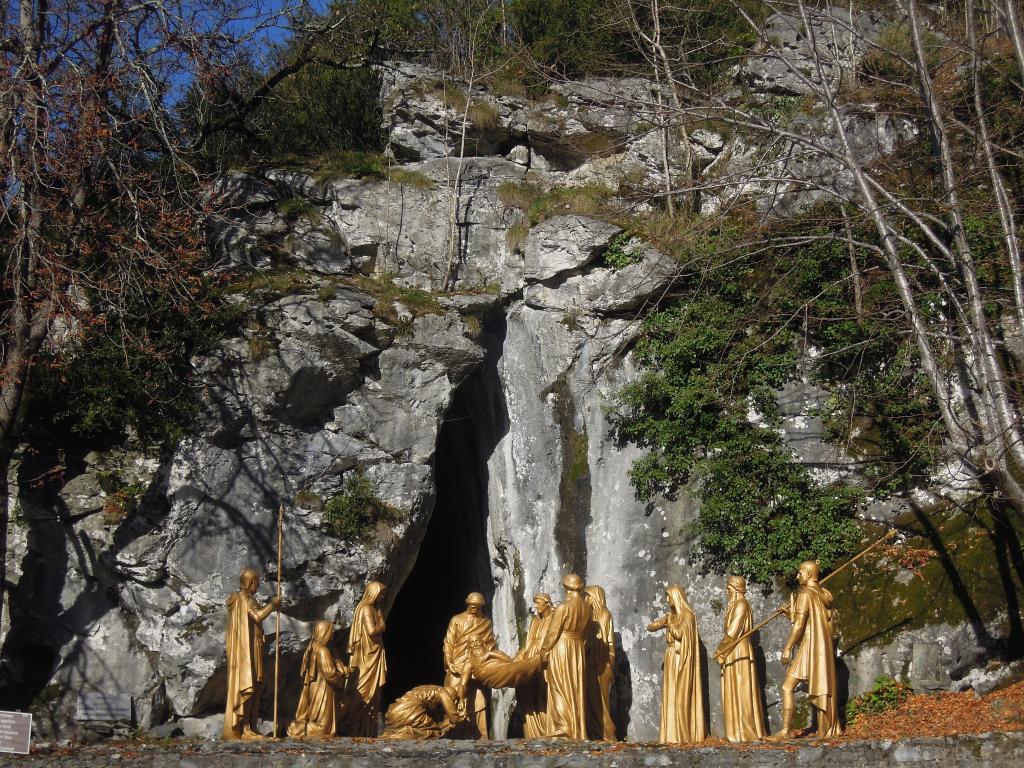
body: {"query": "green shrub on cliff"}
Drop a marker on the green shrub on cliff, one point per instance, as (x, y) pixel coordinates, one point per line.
(705, 409)
(353, 513)
(748, 321)
(131, 373)
(887, 693)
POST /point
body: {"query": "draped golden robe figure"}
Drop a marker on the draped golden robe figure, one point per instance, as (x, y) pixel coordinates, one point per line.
(533, 695)
(245, 657)
(815, 660)
(600, 667)
(564, 649)
(315, 717)
(465, 629)
(427, 711)
(367, 662)
(741, 694)
(494, 669)
(682, 694)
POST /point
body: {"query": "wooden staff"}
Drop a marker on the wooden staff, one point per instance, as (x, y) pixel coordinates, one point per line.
(779, 611)
(277, 642)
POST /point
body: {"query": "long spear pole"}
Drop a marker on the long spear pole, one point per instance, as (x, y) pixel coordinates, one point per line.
(277, 642)
(779, 611)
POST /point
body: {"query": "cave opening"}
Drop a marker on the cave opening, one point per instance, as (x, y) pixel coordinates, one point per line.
(453, 559)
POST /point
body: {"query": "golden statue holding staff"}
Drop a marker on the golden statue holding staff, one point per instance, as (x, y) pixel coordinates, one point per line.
(367, 661)
(815, 660)
(682, 694)
(315, 717)
(600, 666)
(467, 629)
(741, 694)
(816, 595)
(532, 695)
(245, 642)
(564, 649)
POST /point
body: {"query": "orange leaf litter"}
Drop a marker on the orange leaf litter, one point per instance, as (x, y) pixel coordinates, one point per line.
(945, 714)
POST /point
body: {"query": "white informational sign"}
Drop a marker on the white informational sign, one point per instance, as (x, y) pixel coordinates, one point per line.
(15, 732)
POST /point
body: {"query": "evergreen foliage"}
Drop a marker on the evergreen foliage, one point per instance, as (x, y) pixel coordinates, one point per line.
(354, 512)
(887, 693)
(131, 373)
(619, 253)
(761, 512)
(317, 110)
(571, 37)
(749, 320)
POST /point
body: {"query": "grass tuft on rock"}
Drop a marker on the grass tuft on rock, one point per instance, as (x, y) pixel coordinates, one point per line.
(354, 513)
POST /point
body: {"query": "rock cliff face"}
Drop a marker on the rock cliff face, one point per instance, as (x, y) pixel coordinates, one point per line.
(477, 414)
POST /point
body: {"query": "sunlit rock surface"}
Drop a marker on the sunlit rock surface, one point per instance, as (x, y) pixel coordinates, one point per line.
(527, 352)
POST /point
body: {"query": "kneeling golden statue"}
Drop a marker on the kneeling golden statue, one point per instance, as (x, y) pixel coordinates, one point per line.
(427, 711)
(316, 716)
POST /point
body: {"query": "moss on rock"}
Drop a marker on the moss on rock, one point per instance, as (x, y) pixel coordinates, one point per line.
(955, 565)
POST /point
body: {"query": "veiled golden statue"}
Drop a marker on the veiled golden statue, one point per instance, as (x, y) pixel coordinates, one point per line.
(464, 630)
(245, 644)
(564, 649)
(682, 694)
(815, 660)
(315, 717)
(533, 694)
(741, 694)
(600, 666)
(367, 662)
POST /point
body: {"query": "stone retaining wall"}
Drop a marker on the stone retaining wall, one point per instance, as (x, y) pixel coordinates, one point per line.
(995, 750)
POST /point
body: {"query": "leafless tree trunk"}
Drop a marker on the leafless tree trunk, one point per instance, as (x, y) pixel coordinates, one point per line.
(466, 69)
(454, 185)
(978, 406)
(652, 47)
(1000, 190)
(86, 105)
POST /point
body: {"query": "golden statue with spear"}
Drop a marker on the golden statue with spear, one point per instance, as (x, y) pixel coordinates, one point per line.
(277, 630)
(812, 638)
(245, 644)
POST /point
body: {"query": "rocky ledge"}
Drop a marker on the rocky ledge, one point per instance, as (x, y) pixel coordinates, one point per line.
(976, 751)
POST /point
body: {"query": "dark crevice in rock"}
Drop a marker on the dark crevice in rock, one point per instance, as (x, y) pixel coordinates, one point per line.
(573, 515)
(47, 628)
(568, 154)
(557, 281)
(487, 143)
(453, 557)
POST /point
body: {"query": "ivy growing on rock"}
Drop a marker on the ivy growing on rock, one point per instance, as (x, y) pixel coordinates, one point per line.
(705, 409)
(131, 374)
(811, 306)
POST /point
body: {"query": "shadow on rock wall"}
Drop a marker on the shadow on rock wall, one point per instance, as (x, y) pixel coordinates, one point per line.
(942, 609)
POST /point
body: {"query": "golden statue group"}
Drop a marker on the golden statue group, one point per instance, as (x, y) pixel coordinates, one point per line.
(562, 674)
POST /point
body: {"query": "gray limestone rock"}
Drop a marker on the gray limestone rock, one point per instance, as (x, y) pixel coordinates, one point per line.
(533, 343)
(790, 69)
(606, 290)
(564, 244)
